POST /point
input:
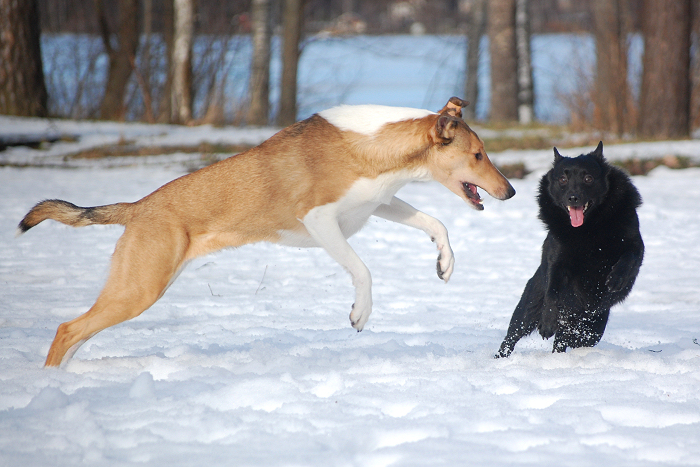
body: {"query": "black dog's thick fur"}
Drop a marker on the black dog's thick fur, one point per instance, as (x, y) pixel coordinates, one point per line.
(590, 258)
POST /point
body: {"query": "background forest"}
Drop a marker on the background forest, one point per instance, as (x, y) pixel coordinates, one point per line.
(236, 62)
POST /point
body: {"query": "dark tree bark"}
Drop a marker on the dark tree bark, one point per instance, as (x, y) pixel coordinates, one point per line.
(122, 55)
(293, 15)
(259, 87)
(665, 95)
(476, 30)
(504, 66)
(613, 109)
(22, 86)
(695, 69)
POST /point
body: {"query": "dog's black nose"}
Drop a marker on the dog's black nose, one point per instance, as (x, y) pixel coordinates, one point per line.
(573, 199)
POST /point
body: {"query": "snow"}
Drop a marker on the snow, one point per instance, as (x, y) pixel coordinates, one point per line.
(249, 358)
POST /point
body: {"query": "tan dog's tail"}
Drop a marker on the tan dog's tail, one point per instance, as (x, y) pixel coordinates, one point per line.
(70, 214)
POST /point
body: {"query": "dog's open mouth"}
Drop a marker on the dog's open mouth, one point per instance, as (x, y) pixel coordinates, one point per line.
(576, 214)
(472, 195)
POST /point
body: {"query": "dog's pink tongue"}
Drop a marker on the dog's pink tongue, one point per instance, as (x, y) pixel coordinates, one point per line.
(576, 215)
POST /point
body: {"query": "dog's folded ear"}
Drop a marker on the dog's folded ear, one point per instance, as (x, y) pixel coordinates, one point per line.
(454, 107)
(445, 129)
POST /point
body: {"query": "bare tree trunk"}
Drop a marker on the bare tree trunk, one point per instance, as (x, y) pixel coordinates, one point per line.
(121, 58)
(665, 95)
(695, 69)
(526, 111)
(476, 30)
(181, 92)
(293, 15)
(259, 87)
(504, 82)
(164, 104)
(22, 86)
(613, 109)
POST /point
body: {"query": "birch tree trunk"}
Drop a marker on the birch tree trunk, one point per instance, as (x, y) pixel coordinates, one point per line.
(181, 91)
(22, 86)
(526, 111)
(259, 86)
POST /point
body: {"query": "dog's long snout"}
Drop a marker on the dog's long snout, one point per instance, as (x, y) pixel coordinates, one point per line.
(510, 192)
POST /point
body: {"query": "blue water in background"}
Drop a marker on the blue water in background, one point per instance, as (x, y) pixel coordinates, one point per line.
(405, 71)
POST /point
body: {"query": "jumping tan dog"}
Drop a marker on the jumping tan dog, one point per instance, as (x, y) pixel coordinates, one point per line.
(314, 183)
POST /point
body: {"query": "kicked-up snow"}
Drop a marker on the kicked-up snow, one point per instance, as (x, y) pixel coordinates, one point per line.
(249, 358)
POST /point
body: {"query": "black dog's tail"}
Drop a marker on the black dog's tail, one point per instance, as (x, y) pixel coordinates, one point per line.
(75, 216)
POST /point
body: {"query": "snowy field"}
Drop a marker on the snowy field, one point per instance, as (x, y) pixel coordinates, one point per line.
(249, 358)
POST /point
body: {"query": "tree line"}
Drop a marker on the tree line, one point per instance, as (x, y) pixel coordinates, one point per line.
(667, 105)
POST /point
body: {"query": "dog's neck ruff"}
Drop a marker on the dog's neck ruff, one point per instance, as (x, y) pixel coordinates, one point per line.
(368, 119)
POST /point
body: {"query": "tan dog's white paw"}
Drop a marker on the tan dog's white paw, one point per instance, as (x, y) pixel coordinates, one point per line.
(445, 262)
(360, 313)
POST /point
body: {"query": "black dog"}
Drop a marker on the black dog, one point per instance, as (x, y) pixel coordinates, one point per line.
(590, 258)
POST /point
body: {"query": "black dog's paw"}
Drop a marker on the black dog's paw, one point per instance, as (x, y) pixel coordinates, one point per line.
(503, 353)
(549, 323)
(616, 280)
(547, 330)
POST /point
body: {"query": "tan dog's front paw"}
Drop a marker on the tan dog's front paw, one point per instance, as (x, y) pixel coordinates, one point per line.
(360, 314)
(445, 263)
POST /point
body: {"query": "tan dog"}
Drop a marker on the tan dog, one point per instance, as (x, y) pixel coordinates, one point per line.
(314, 183)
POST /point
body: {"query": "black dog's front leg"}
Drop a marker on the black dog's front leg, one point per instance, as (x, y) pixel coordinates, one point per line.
(549, 322)
(624, 272)
(553, 302)
(527, 313)
(581, 328)
(553, 281)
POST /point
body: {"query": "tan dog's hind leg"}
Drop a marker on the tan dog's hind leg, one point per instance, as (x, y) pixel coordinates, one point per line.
(143, 265)
(322, 224)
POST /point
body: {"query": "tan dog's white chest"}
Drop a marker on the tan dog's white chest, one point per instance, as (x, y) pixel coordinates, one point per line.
(354, 208)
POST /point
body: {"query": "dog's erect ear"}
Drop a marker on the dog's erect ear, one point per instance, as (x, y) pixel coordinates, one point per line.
(557, 156)
(445, 128)
(454, 107)
(598, 153)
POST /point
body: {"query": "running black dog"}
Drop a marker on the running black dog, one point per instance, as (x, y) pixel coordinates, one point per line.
(590, 258)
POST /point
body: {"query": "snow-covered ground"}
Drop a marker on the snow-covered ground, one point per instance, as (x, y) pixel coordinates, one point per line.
(249, 358)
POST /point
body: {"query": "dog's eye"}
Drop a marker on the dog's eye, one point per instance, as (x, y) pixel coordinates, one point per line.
(446, 143)
(563, 180)
(588, 179)
(478, 156)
